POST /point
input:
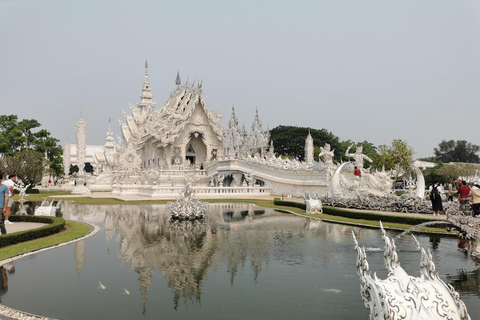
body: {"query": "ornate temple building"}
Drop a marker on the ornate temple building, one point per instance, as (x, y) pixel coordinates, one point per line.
(161, 149)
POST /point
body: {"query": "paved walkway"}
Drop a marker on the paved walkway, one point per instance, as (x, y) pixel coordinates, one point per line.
(22, 226)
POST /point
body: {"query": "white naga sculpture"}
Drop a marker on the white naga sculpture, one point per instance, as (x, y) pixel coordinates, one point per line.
(402, 296)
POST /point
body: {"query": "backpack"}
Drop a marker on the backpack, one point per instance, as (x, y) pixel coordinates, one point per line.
(434, 193)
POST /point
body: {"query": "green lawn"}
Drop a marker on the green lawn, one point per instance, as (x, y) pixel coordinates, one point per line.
(73, 231)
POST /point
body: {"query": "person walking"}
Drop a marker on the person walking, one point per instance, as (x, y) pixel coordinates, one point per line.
(449, 193)
(475, 191)
(436, 199)
(464, 198)
(3, 204)
(10, 183)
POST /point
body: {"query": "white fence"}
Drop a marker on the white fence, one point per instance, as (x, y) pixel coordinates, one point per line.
(201, 192)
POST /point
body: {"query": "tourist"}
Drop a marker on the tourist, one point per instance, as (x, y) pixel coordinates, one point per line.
(10, 183)
(357, 172)
(3, 204)
(436, 199)
(464, 198)
(475, 191)
(450, 192)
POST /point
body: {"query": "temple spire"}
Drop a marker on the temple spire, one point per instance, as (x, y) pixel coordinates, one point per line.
(177, 80)
(146, 96)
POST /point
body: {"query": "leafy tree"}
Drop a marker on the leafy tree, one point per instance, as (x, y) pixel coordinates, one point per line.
(452, 171)
(398, 156)
(290, 141)
(434, 175)
(22, 135)
(457, 151)
(28, 165)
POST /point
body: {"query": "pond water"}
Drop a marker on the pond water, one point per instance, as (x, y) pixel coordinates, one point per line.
(242, 262)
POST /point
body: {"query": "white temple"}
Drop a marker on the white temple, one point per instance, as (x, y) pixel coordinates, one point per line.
(161, 149)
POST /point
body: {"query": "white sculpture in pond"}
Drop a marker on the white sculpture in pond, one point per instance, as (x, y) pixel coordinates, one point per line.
(402, 296)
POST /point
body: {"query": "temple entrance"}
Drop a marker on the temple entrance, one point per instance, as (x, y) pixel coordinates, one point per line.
(191, 159)
(196, 150)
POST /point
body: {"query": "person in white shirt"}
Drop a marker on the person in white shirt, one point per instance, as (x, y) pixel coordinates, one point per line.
(10, 183)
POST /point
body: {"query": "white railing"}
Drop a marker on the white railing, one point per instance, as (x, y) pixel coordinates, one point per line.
(201, 192)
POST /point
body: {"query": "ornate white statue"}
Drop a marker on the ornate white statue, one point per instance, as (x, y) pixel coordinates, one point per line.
(327, 155)
(402, 296)
(358, 156)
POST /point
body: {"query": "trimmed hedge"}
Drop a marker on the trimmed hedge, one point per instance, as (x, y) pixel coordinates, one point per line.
(55, 225)
(341, 212)
(279, 202)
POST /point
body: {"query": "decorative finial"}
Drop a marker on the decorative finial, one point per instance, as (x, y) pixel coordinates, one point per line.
(177, 80)
(146, 64)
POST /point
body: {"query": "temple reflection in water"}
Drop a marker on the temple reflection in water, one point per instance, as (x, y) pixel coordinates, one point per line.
(185, 252)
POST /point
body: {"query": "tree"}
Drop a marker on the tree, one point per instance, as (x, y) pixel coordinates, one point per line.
(290, 141)
(28, 165)
(397, 157)
(21, 135)
(433, 175)
(457, 151)
(452, 171)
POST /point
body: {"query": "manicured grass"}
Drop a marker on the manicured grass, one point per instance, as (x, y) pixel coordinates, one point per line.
(73, 231)
(42, 195)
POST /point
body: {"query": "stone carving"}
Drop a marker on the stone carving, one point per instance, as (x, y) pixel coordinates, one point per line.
(22, 193)
(327, 155)
(469, 227)
(313, 203)
(309, 149)
(358, 156)
(66, 158)
(401, 296)
(81, 135)
(48, 210)
(187, 207)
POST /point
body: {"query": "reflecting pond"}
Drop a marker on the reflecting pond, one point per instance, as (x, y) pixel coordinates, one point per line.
(241, 262)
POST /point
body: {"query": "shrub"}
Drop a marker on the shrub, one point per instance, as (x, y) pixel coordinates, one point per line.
(55, 225)
(364, 215)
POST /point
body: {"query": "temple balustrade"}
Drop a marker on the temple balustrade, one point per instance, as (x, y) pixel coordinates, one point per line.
(269, 174)
(169, 192)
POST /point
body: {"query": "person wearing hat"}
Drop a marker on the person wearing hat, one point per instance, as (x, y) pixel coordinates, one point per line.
(475, 192)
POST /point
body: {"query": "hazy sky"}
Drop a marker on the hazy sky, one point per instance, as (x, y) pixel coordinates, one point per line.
(362, 69)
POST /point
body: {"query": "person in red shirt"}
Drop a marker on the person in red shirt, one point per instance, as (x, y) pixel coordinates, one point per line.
(357, 172)
(464, 198)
